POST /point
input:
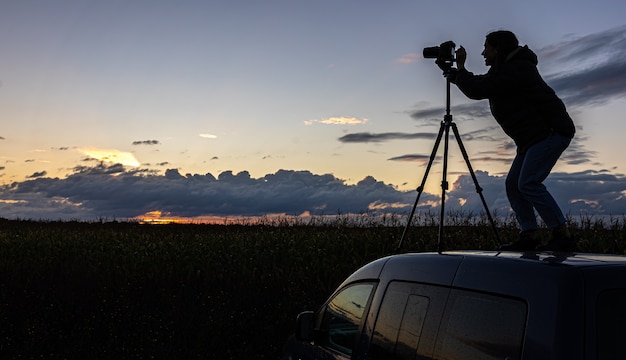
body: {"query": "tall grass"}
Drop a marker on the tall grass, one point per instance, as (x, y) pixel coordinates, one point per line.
(113, 290)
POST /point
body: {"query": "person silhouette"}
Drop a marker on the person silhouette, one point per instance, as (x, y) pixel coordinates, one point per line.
(530, 112)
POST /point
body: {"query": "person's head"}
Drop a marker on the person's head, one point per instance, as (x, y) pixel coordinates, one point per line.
(498, 45)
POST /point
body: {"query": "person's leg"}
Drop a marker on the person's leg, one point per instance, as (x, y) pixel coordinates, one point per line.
(538, 162)
(523, 209)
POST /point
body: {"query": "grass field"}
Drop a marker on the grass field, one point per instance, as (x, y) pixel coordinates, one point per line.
(123, 290)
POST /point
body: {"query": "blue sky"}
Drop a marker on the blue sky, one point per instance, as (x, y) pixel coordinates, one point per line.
(196, 109)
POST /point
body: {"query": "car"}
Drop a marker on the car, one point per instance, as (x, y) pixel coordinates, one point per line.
(472, 305)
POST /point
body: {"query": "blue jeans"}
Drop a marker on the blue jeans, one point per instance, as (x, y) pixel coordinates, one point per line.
(524, 183)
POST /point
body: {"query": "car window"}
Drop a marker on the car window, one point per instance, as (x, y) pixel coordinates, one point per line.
(611, 323)
(399, 324)
(407, 323)
(478, 326)
(342, 318)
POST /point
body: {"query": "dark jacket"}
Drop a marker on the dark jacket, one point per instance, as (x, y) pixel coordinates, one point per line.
(521, 102)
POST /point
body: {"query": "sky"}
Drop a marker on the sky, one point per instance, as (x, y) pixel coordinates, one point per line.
(198, 110)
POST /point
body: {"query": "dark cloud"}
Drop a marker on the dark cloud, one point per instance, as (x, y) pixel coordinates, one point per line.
(114, 192)
(577, 154)
(504, 151)
(582, 193)
(93, 193)
(595, 86)
(602, 45)
(593, 67)
(414, 157)
(469, 111)
(492, 159)
(146, 142)
(37, 175)
(366, 137)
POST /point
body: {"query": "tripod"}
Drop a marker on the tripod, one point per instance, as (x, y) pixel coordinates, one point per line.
(444, 129)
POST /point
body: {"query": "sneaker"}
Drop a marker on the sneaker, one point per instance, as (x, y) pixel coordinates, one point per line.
(561, 240)
(527, 241)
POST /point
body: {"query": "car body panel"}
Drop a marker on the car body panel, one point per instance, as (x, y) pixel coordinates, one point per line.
(560, 290)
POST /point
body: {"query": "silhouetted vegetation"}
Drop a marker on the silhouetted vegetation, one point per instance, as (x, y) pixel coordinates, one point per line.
(112, 290)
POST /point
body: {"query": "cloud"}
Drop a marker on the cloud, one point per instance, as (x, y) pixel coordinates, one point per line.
(592, 48)
(582, 193)
(595, 86)
(409, 58)
(577, 154)
(208, 136)
(146, 142)
(366, 137)
(422, 159)
(116, 192)
(469, 111)
(592, 68)
(341, 120)
(37, 175)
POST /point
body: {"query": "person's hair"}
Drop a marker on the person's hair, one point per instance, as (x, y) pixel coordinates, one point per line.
(504, 41)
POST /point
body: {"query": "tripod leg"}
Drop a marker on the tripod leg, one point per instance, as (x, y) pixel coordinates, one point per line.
(420, 189)
(479, 190)
(444, 183)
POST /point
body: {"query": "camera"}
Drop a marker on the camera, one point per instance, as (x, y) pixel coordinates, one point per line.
(444, 54)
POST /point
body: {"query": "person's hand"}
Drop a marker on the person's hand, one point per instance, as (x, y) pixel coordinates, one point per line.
(461, 56)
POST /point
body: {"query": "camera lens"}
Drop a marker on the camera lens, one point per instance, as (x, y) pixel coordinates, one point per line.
(431, 52)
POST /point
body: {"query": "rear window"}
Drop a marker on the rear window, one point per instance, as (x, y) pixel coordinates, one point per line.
(611, 332)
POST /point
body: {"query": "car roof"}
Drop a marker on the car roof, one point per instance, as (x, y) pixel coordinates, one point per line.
(570, 259)
(542, 261)
(465, 266)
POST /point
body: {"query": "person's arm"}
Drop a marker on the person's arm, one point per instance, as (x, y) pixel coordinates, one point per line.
(476, 87)
(465, 80)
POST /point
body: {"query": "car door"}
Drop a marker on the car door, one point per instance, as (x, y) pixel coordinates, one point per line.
(408, 321)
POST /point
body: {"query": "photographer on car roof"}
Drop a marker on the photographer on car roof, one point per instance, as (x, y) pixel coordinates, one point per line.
(529, 111)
